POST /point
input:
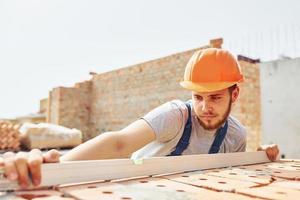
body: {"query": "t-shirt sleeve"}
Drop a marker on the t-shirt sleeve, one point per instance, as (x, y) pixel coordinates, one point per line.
(241, 145)
(167, 120)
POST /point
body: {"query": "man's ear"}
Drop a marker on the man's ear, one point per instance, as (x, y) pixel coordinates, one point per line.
(235, 94)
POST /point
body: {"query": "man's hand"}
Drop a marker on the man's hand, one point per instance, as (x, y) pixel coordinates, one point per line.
(22, 165)
(272, 151)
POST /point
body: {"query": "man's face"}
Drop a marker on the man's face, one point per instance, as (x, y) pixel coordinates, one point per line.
(213, 108)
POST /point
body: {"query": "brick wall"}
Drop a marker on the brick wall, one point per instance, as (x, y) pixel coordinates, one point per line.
(248, 108)
(112, 100)
(70, 107)
(43, 105)
(121, 96)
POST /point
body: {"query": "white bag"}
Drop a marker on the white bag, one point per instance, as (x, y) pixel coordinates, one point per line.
(46, 135)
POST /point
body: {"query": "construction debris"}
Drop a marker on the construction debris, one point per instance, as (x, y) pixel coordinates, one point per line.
(9, 136)
(44, 136)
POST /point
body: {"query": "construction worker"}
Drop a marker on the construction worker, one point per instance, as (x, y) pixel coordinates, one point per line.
(199, 126)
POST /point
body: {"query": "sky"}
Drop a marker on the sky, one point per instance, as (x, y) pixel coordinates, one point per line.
(50, 43)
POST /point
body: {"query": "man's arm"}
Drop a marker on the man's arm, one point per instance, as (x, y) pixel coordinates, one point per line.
(117, 144)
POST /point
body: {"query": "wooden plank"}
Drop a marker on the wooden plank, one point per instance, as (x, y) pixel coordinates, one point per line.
(82, 171)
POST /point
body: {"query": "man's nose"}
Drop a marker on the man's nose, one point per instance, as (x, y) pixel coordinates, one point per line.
(206, 106)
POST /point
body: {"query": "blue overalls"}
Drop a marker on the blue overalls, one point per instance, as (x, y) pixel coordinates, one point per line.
(185, 138)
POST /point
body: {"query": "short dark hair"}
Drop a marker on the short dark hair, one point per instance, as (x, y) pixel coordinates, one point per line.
(231, 88)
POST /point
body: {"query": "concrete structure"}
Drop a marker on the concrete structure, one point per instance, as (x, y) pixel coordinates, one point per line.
(35, 118)
(112, 100)
(280, 105)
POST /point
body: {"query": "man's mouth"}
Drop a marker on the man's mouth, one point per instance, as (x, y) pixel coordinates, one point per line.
(208, 116)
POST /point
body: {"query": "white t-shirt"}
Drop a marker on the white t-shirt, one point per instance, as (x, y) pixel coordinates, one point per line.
(168, 121)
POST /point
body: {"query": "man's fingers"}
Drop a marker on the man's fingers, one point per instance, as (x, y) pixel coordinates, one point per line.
(272, 153)
(268, 152)
(51, 156)
(9, 166)
(275, 151)
(21, 165)
(36, 151)
(22, 168)
(35, 161)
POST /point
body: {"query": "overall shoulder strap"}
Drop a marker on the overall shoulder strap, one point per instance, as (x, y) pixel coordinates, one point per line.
(185, 138)
(220, 135)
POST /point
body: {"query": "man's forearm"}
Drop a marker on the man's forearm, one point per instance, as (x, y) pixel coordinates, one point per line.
(105, 146)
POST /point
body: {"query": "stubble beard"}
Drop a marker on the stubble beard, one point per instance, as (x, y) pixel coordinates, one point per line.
(219, 123)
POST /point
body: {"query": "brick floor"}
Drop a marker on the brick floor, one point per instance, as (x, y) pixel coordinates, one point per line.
(274, 180)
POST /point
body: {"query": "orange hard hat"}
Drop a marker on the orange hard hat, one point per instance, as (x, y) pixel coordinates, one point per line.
(211, 70)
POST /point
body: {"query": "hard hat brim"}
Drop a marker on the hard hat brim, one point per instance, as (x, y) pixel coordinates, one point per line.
(206, 87)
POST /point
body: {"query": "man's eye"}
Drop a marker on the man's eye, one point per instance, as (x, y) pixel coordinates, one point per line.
(198, 97)
(216, 98)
